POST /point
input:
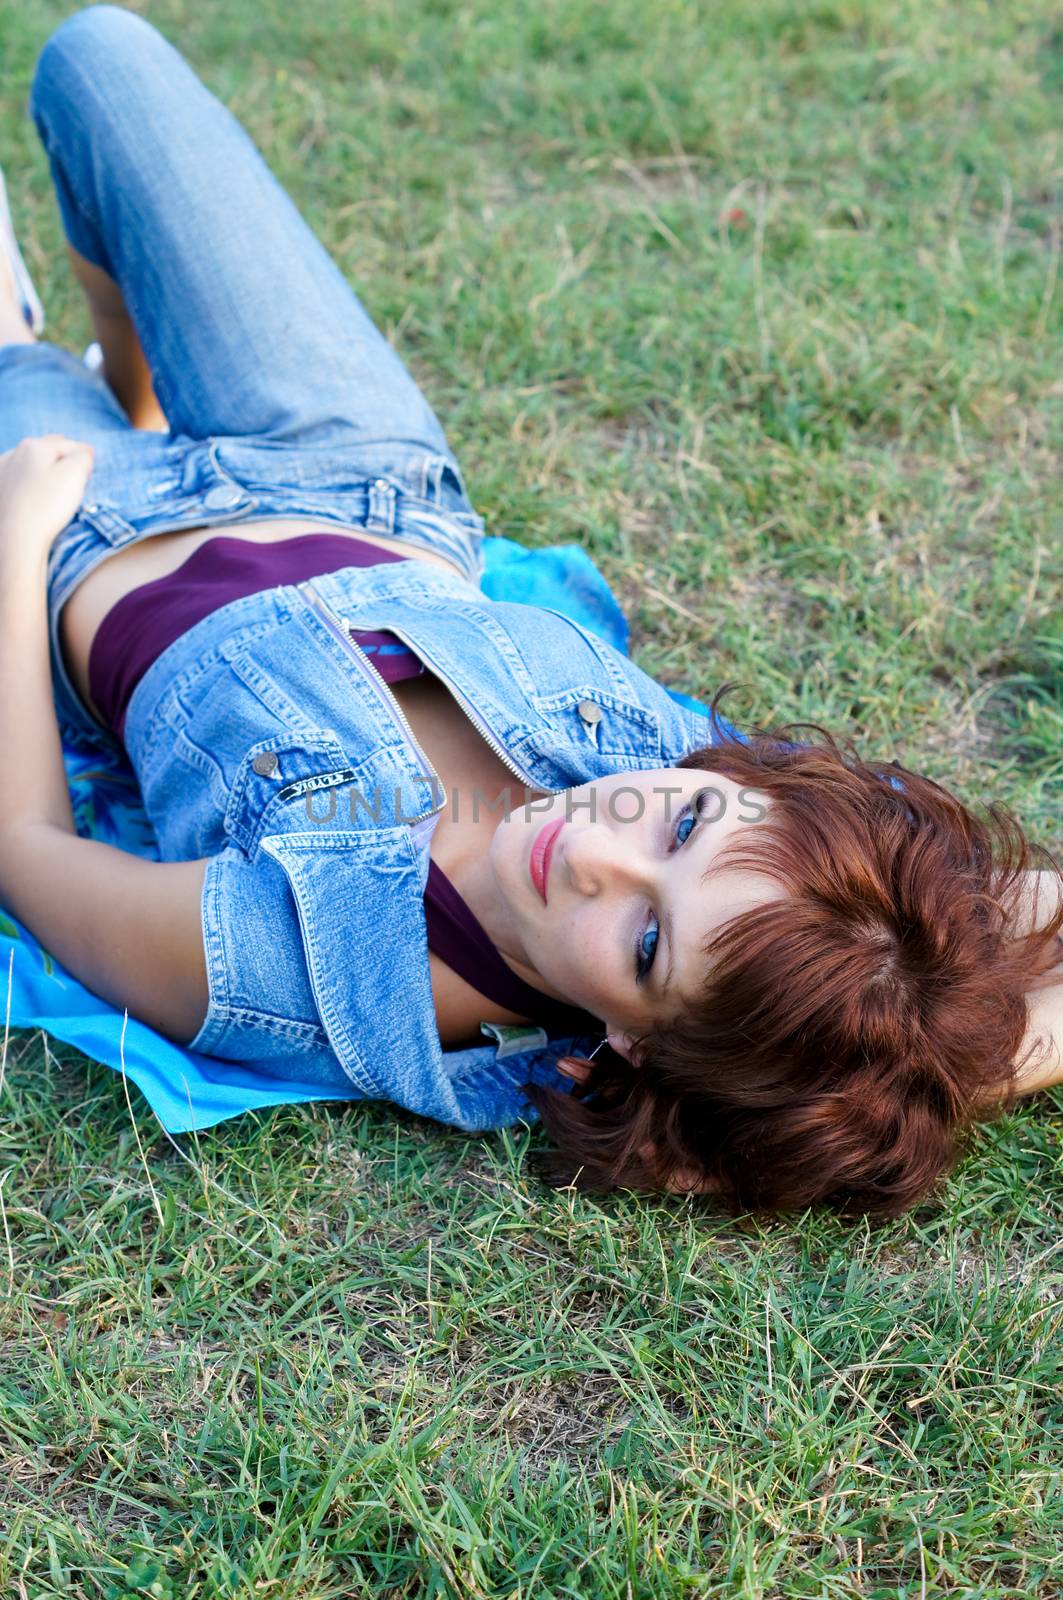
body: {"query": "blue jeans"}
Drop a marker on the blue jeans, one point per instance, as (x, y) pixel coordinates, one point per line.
(282, 397)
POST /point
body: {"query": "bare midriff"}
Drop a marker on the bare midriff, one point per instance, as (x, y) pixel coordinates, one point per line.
(162, 553)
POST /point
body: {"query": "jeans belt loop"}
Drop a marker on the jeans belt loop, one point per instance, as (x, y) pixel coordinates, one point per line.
(381, 514)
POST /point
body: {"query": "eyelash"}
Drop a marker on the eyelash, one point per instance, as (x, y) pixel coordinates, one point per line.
(642, 965)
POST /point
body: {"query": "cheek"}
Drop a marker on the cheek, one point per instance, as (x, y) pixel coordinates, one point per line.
(590, 952)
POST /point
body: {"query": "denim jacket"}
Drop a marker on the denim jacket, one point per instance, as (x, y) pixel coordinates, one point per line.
(271, 744)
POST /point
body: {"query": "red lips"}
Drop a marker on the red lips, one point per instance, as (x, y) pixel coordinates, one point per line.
(541, 851)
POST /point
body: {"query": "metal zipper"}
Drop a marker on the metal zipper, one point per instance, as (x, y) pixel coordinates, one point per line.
(477, 721)
(473, 716)
(341, 628)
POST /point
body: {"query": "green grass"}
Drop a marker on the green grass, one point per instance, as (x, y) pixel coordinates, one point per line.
(816, 447)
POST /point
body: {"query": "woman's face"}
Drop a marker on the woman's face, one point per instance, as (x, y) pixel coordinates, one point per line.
(626, 914)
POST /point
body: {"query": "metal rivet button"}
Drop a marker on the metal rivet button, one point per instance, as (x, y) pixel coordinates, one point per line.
(265, 763)
(215, 499)
(382, 484)
(589, 711)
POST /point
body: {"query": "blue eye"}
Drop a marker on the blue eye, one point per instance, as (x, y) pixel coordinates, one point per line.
(644, 958)
(643, 966)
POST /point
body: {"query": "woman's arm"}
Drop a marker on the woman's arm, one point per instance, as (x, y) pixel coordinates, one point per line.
(1045, 1024)
(129, 929)
(42, 482)
(1045, 1001)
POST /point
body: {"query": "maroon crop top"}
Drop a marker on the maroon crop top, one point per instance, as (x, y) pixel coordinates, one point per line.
(140, 626)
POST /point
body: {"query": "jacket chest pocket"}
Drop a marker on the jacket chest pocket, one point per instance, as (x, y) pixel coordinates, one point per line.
(590, 719)
(314, 779)
(308, 781)
(304, 778)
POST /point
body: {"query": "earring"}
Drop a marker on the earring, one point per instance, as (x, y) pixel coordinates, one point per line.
(594, 1052)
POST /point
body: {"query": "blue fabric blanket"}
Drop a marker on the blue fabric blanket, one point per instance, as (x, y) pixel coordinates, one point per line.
(184, 1089)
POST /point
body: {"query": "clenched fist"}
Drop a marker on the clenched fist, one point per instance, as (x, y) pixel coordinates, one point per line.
(42, 484)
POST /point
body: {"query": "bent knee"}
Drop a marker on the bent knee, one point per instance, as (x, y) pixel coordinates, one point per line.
(99, 27)
(95, 44)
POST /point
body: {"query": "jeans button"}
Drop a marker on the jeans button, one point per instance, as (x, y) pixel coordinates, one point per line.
(217, 499)
(265, 764)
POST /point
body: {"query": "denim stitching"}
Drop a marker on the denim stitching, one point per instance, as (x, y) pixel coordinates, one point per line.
(310, 1033)
(214, 947)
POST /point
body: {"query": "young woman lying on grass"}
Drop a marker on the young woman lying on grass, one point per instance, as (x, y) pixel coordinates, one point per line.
(390, 810)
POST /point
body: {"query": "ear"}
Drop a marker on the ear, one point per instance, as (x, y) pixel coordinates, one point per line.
(621, 1043)
(682, 1180)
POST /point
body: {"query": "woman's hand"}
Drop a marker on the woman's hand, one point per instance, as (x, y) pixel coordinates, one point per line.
(42, 484)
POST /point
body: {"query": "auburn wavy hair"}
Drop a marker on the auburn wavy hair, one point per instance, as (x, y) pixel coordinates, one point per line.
(848, 1033)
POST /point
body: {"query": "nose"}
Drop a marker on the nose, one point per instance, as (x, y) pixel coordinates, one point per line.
(598, 858)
